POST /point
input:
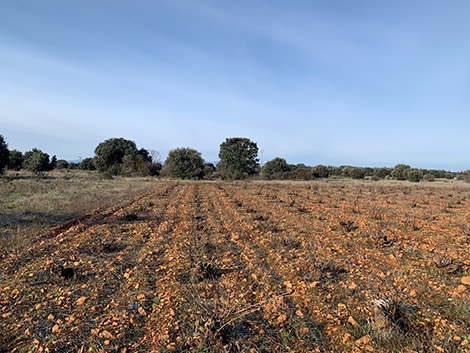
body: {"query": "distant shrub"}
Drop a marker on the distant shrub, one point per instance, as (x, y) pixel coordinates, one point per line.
(346, 171)
(274, 168)
(414, 175)
(320, 171)
(53, 163)
(382, 172)
(208, 170)
(15, 161)
(300, 174)
(449, 175)
(62, 164)
(87, 164)
(368, 171)
(155, 169)
(73, 166)
(428, 177)
(334, 171)
(436, 173)
(4, 154)
(144, 156)
(400, 171)
(238, 158)
(357, 173)
(36, 161)
(465, 176)
(184, 163)
(110, 154)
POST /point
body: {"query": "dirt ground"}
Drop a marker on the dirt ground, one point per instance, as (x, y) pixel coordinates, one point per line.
(326, 266)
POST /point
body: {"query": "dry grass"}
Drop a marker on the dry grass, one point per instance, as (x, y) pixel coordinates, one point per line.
(30, 205)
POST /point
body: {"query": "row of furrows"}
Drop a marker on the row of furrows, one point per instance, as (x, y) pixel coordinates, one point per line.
(193, 266)
(303, 258)
(204, 298)
(137, 290)
(417, 222)
(257, 284)
(339, 233)
(361, 261)
(289, 313)
(162, 326)
(83, 262)
(374, 202)
(65, 232)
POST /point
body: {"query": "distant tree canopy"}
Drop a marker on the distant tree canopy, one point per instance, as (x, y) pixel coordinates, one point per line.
(62, 164)
(87, 164)
(383, 172)
(414, 175)
(120, 156)
(53, 162)
(184, 163)
(275, 167)
(209, 170)
(36, 161)
(400, 171)
(4, 154)
(320, 171)
(238, 158)
(144, 156)
(16, 160)
(111, 153)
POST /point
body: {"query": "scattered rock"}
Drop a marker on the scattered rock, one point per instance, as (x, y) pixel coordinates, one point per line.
(353, 322)
(465, 280)
(364, 340)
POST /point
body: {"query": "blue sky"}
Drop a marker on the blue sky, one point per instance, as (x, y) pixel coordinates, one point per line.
(368, 83)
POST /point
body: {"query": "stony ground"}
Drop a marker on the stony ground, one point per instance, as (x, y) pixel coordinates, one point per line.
(251, 267)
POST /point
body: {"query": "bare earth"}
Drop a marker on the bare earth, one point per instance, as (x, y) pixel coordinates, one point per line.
(249, 267)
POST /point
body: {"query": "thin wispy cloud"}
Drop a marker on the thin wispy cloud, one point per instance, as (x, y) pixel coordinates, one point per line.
(364, 83)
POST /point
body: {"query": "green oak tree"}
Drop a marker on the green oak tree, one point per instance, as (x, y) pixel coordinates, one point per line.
(184, 163)
(238, 158)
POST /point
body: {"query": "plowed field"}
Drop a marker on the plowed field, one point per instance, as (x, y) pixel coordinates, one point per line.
(254, 267)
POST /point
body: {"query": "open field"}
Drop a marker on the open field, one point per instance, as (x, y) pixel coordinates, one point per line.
(250, 267)
(29, 206)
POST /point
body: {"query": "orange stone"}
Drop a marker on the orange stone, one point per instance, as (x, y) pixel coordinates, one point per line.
(465, 280)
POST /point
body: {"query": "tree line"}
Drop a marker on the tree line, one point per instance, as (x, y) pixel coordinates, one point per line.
(238, 160)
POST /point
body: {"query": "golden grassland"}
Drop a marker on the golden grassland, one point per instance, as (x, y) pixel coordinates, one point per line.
(142, 265)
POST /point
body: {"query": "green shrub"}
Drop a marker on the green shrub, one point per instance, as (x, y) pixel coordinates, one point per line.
(320, 171)
(155, 169)
(110, 154)
(184, 163)
(238, 158)
(414, 175)
(73, 166)
(4, 154)
(36, 161)
(382, 172)
(449, 175)
(87, 164)
(428, 177)
(62, 164)
(465, 176)
(208, 170)
(400, 171)
(274, 168)
(16, 160)
(357, 173)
